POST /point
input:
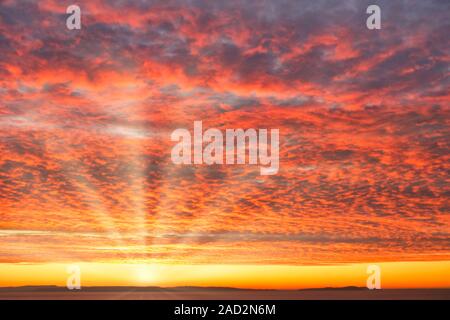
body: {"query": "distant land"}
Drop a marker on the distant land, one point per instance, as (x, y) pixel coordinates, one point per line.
(216, 293)
(119, 289)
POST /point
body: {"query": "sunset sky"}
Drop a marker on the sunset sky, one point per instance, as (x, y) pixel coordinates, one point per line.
(86, 117)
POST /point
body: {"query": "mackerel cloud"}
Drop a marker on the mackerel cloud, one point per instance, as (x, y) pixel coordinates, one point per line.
(86, 117)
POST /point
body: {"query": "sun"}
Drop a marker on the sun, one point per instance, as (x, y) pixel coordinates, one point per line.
(145, 274)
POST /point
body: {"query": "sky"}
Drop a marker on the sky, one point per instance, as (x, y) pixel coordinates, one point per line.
(86, 117)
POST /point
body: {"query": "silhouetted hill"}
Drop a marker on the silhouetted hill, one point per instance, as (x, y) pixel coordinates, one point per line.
(180, 289)
(349, 288)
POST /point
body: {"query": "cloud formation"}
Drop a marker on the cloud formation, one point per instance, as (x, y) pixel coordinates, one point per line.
(86, 117)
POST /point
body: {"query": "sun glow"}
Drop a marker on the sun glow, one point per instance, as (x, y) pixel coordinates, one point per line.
(433, 274)
(145, 275)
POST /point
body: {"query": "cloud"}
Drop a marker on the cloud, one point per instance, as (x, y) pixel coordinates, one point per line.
(86, 117)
